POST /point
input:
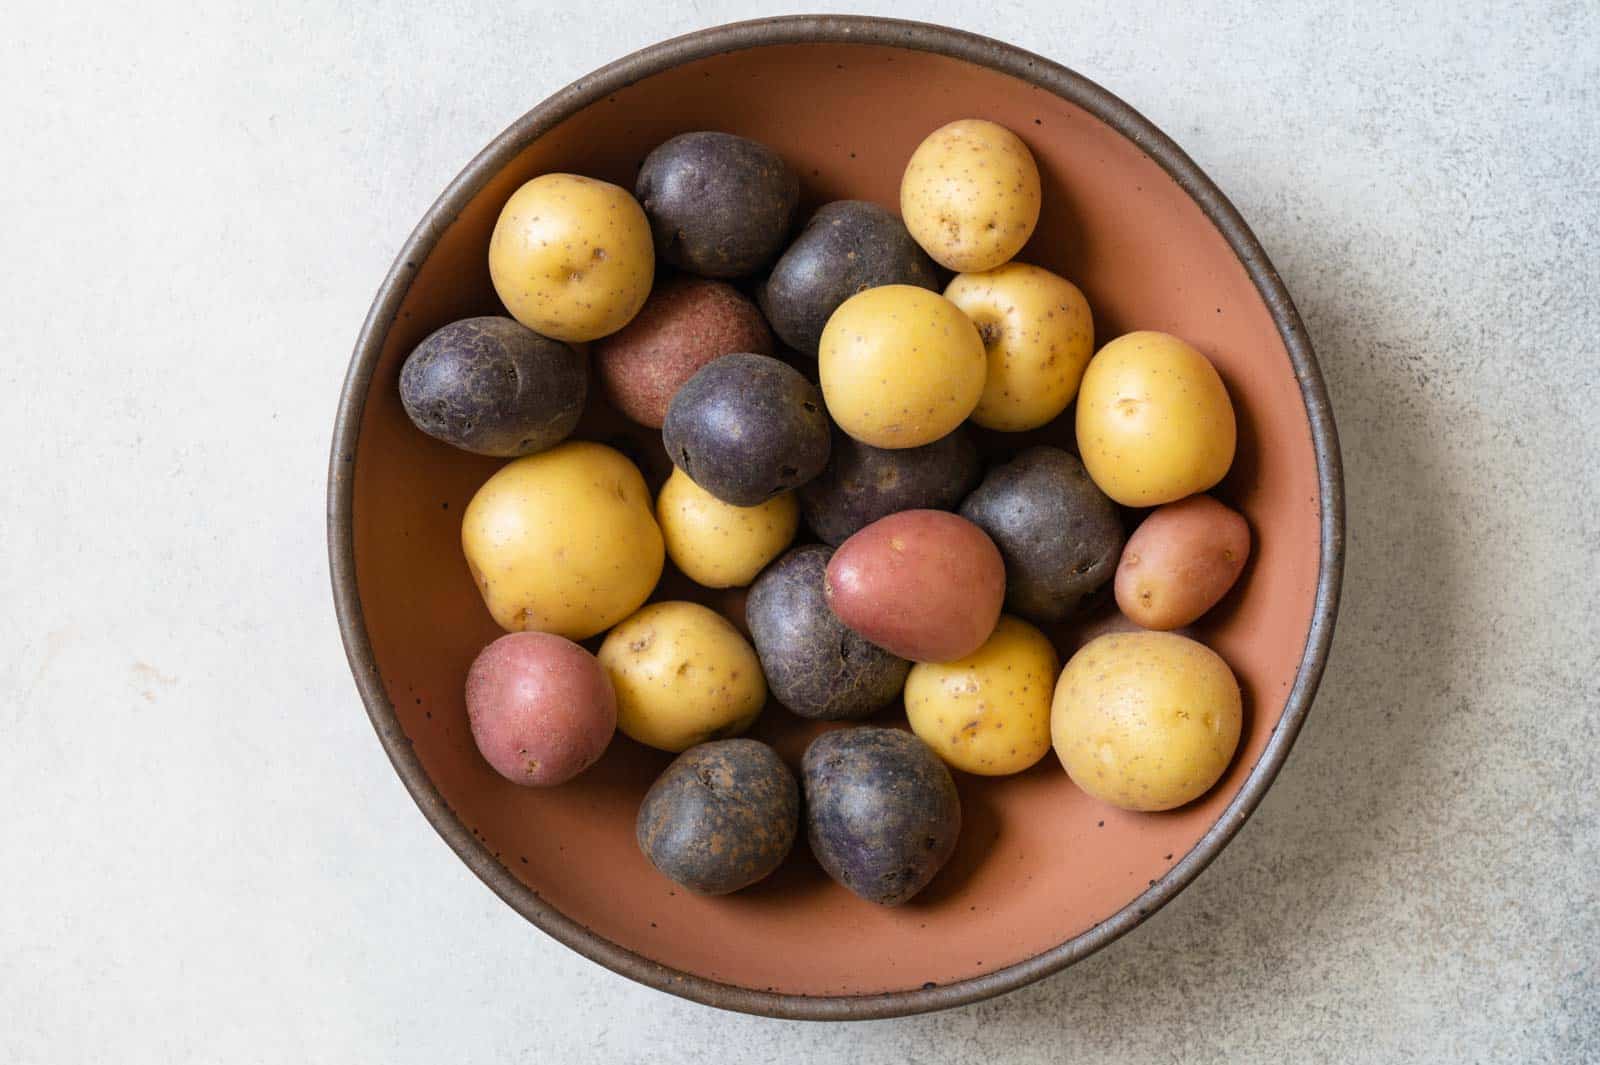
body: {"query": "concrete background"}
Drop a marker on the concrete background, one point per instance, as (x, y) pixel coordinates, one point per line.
(205, 854)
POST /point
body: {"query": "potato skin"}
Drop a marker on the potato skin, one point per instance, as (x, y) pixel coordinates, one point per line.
(686, 323)
(814, 665)
(1060, 536)
(1154, 420)
(571, 257)
(922, 584)
(719, 205)
(683, 675)
(719, 545)
(970, 195)
(1146, 720)
(848, 246)
(882, 812)
(540, 708)
(1180, 562)
(863, 483)
(721, 817)
(746, 428)
(564, 541)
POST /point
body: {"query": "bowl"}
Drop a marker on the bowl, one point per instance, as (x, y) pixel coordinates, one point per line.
(1043, 875)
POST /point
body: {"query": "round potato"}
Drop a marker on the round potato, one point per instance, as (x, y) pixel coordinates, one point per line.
(863, 483)
(571, 257)
(1038, 333)
(718, 544)
(683, 676)
(1154, 420)
(1146, 720)
(540, 708)
(900, 366)
(970, 195)
(1181, 560)
(563, 541)
(988, 713)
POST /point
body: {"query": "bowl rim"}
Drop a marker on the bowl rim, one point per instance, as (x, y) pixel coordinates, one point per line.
(829, 29)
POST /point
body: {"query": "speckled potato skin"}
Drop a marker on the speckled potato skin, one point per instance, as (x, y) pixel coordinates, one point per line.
(686, 323)
(721, 817)
(1180, 562)
(882, 812)
(970, 195)
(540, 708)
(1146, 720)
(719, 545)
(719, 205)
(988, 713)
(863, 483)
(900, 366)
(847, 247)
(815, 665)
(1038, 334)
(1059, 534)
(747, 428)
(571, 257)
(683, 675)
(564, 541)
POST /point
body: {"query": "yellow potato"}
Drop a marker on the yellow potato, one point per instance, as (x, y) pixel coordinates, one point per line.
(563, 541)
(970, 195)
(718, 544)
(683, 675)
(1154, 421)
(572, 257)
(1039, 334)
(900, 366)
(988, 713)
(1146, 720)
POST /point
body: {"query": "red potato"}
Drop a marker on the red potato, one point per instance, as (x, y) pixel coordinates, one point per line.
(541, 708)
(921, 584)
(1180, 562)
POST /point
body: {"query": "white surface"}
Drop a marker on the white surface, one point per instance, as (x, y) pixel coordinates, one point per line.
(205, 854)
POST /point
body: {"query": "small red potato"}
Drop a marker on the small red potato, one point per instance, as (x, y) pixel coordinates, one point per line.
(540, 707)
(1180, 562)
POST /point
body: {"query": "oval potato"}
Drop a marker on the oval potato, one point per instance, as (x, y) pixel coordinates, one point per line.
(717, 544)
(970, 195)
(1180, 562)
(540, 708)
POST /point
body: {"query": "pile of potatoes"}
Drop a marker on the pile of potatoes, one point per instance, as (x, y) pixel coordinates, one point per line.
(834, 400)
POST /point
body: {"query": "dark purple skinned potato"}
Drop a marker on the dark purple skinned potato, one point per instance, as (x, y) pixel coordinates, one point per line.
(863, 483)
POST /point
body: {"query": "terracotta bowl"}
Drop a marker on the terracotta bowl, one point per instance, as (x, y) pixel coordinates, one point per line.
(1044, 875)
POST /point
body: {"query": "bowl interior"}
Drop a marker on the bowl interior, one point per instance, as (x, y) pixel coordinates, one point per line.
(1039, 862)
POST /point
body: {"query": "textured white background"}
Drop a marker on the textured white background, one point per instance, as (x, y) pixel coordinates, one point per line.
(204, 855)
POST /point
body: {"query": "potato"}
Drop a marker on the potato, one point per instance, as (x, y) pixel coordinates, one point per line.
(540, 708)
(563, 541)
(1154, 420)
(1038, 333)
(571, 257)
(719, 205)
(970, 195)
(882, 813)
(747, 428)
(685, 324)
(848, 246)
(816, 666)
(1146, 720)
(723, 816)
(718, 544)
(1059, 535)
(1180, 561)
(900, 366)
(988, 713)
(921, 584)
(863, 483)
(683, 676)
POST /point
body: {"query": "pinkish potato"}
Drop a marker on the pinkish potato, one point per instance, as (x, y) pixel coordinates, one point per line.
(1180, 562)
(541, 708)
(684, 325)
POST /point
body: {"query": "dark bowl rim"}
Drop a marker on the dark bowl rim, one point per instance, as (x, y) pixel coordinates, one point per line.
(829, 29)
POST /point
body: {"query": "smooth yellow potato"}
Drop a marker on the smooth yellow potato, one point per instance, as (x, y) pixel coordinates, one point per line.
(563, 541)
(1038, 333)
(987, 713)
(718, 544)
(571, 257)
(900, 366)
(1146, 720)
(683, 675)
(970, 195)
(1154, 420)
